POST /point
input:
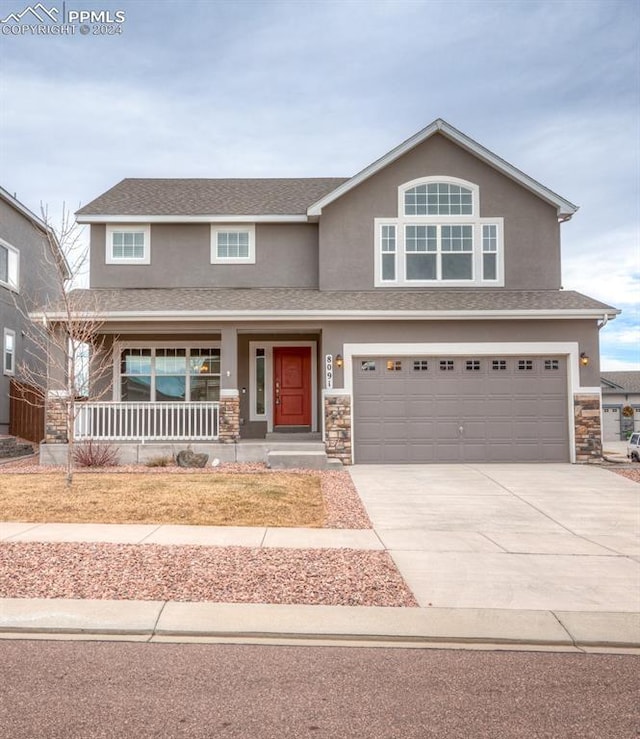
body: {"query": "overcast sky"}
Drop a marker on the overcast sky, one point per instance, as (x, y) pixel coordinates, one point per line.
(207, 88)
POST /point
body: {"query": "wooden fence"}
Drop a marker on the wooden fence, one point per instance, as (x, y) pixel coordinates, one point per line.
(26, 411)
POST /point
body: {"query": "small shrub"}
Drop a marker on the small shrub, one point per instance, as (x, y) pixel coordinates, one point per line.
(165, 461)
(90, 454)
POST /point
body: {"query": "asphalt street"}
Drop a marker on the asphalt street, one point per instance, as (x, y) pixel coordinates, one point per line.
(85, 690)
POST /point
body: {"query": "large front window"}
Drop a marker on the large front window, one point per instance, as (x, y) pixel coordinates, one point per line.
(439, 238)
(170, 374)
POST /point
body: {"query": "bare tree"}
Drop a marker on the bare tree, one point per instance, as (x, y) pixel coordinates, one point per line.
(63, 340)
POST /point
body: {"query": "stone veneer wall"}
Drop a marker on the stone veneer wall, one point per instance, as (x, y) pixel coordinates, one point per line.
(55, 420)
(337, 425)
(587, 427)
(229, 419)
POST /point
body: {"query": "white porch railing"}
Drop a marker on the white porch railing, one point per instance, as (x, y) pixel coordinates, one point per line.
(106, 421)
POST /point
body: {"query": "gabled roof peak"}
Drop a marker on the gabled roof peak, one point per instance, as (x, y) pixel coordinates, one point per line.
(565, 208)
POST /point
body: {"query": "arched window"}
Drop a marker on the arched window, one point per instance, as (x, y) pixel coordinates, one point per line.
(438, 199)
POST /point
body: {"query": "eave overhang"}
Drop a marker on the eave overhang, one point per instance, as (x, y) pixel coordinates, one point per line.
(326, 315)
(284, 218)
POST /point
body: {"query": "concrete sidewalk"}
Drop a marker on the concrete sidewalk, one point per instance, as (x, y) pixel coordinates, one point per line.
(508, 556)
(439, 627)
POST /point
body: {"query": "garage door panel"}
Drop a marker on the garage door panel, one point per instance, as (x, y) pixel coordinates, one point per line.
(506, 414)
(474, 408)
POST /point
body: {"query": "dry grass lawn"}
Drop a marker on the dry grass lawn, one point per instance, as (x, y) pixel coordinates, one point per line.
(269, 499)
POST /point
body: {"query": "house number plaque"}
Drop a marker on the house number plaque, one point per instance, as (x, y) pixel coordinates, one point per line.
(328, 370)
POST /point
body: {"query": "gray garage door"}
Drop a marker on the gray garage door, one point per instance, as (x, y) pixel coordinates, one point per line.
(611, 424)
(460, 409)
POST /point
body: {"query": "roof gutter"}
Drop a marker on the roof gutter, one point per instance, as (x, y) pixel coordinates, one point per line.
(329, 315)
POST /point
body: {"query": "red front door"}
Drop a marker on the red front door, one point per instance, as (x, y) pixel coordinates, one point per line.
(292, 385)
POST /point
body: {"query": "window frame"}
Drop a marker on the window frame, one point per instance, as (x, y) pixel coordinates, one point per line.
(113, 228)
(153, 346)
(478, 241)
(13, 266)
(219, 228)
(9, 371)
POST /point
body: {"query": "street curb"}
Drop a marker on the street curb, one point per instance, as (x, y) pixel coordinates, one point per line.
(365, 625)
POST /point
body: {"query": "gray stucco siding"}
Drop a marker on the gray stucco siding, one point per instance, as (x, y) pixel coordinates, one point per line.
(286, 256)
(585, 333)
(531, 229)
(34, 285)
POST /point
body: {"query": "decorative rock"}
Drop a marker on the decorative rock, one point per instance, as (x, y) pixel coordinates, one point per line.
(187, 458)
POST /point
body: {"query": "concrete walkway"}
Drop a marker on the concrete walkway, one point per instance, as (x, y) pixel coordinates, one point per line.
(521, 556)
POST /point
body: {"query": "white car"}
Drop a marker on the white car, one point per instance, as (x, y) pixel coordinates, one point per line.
(633, 447)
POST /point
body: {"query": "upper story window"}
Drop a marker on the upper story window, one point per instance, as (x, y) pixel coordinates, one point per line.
(233, 244)
(9, 265)
(438, 199)
(128, 244)
(439, 238)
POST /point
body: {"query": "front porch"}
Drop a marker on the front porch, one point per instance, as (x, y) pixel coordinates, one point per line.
(260, 391)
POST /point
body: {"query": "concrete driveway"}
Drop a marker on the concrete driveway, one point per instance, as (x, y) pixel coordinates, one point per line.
(518, 536)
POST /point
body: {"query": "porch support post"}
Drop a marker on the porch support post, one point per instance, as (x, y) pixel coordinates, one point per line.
(337, 425)
(56, 398)
(588, 431)
(229, 419)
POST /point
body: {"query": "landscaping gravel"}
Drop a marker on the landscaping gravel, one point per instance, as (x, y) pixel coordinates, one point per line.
(631, 474)
(195, 573)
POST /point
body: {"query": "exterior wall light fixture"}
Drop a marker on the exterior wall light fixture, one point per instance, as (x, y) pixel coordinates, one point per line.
(584, 360)
(339, 360)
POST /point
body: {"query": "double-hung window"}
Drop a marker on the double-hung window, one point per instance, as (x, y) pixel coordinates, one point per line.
(9, 265)
(9, 352)
(233, 244)
(128, 244)
(439, 238)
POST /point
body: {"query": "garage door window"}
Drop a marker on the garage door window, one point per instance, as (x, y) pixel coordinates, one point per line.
(420, 365)
(394, 365)
(499, 365)
(447, 365)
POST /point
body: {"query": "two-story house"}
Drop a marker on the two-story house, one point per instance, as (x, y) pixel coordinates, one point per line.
(411, 313)
(25, 280)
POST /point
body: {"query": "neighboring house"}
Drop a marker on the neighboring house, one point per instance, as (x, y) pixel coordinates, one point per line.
(411, 313)
(24, 279)
(620, 404)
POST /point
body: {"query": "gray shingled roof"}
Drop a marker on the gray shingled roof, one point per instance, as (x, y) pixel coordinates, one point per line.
(210, 197)
(229, 300)
(627, 382)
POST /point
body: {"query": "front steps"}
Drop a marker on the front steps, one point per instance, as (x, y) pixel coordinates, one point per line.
(10, 448)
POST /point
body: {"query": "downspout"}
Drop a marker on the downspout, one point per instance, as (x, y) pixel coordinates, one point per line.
(603, 323)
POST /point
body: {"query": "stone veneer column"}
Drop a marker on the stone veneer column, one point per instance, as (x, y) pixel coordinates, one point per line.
(55, 420)
(588, 430)
(229, 418)
(337, 426)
